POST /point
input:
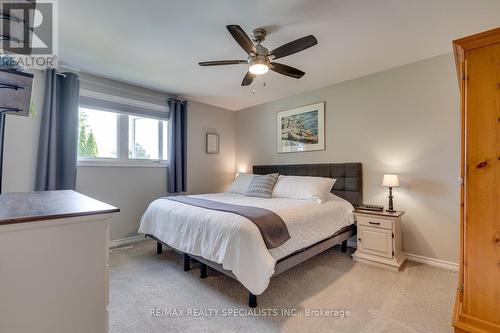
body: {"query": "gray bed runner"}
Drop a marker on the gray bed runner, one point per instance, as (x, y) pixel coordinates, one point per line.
(271, 225)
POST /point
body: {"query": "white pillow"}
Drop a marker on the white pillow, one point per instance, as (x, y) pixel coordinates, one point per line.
(241, 183)
(304, 188)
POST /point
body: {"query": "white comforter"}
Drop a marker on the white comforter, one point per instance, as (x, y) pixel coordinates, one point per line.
(234, 241)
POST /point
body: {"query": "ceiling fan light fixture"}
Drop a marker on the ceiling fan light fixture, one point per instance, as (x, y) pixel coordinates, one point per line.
(259, 66)
(259, 57)
(259, 69)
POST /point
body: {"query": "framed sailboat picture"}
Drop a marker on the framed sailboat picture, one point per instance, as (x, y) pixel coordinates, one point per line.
(301, 129)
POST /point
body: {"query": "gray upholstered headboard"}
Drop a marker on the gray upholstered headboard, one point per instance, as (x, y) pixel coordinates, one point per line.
(349, 184)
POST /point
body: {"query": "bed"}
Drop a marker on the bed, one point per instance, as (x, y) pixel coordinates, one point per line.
(231, 244)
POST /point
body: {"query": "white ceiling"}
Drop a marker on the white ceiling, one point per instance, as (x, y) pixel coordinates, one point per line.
(157, 44)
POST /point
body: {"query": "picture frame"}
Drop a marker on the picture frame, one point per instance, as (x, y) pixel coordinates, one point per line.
(212, 146)
(301, 129)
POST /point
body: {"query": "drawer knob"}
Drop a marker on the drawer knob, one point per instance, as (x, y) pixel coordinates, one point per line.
(374, 223)
(359, 239)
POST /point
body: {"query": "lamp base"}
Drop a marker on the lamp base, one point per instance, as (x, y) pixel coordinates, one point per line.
(391, 205)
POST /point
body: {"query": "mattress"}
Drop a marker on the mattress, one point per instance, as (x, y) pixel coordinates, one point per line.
(235, 242)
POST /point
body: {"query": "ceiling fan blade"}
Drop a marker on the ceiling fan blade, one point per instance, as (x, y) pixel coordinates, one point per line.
(286, 70)
(248, 79)
(242, 38)
(294, 46)
(222, 62)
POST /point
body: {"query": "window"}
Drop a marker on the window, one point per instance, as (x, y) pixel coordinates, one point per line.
(97, 134)
(147, 138)
(111, 138)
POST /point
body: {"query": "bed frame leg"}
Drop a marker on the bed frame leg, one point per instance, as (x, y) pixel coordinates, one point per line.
(343, 247)
(187, 262)
(159, 248)
(252, 300)
(203, 270)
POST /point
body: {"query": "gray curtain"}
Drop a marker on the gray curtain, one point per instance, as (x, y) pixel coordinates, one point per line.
(2, 137)
(177, 147)
(57, 148)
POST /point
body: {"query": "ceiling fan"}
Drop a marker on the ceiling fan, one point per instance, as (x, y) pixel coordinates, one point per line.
(260, 59)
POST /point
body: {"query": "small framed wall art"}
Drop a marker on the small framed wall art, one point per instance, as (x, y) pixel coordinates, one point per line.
(212, 143)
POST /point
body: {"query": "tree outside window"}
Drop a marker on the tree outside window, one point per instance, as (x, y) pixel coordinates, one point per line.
(87, 145)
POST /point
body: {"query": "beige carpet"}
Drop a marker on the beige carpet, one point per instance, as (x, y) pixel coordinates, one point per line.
(418, 299)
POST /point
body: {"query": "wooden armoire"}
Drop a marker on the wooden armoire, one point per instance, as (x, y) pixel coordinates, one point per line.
(477, 307)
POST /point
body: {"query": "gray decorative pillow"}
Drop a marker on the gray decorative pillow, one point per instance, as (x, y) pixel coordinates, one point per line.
(262, 186)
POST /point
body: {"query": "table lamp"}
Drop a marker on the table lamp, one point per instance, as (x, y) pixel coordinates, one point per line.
(390, 181)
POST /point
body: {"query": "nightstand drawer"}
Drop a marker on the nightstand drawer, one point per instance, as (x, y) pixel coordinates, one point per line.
(375, 241)
(374, 222)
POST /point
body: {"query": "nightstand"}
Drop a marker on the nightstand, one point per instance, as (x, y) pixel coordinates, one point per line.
(379, 239)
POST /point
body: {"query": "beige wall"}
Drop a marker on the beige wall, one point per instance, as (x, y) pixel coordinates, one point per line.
(129, 188)
(210, 172)
(404, 121)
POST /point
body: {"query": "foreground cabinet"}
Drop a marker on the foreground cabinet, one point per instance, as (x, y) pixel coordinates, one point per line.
(477, 307)
(53, 263)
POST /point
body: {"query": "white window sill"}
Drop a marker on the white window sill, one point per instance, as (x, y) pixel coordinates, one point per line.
(122, 164)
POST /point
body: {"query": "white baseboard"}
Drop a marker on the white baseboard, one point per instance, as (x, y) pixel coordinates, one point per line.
(412, 257)
(433, 262)
(126, 241)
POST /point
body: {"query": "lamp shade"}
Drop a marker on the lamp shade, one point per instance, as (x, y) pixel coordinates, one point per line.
(390, 181)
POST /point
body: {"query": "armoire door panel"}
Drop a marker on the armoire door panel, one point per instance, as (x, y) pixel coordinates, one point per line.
(482, 184)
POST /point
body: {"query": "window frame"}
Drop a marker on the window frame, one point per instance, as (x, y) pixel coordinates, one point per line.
(122, 142)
